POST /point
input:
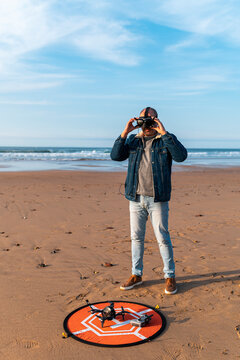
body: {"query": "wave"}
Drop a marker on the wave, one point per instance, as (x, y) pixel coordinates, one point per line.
(97, 154)
(53, 155)
(214, 153)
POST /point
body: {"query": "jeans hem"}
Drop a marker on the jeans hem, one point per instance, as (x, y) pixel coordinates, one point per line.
(134, 273)
(169, 276)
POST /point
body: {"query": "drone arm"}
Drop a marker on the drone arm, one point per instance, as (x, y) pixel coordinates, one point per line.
(123, 312)
(92, 309)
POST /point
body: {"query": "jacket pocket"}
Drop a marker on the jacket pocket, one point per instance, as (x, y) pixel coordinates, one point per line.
(163, 153)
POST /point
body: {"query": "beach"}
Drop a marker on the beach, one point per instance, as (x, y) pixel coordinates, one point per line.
(57, 228)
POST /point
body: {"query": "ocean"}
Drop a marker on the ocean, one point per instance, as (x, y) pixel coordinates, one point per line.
(98, 159)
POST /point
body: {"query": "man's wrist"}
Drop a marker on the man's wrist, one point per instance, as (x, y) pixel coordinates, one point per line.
(166, 136)
(124, 134)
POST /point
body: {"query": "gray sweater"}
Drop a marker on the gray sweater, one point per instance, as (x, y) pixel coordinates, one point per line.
(145, 177)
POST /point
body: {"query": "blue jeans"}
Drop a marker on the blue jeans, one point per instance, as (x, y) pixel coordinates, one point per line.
(158, 212)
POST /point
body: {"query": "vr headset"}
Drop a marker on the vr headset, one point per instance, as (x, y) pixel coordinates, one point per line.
(145, 121)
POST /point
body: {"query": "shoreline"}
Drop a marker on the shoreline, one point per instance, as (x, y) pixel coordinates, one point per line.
(175, 168)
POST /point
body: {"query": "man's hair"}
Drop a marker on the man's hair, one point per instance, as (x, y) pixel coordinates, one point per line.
(151, 112)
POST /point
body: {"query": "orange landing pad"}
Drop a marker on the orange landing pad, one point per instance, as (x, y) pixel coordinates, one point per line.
(83, 326)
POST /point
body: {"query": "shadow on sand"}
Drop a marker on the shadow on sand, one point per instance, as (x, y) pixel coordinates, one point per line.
(188, 282)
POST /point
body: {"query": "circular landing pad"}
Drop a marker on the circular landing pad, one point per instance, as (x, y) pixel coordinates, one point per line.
(84, 326)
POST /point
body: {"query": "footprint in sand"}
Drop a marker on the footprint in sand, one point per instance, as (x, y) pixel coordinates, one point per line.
(82, 277)
(107, 264)
(28, 344)
(77, 297)
(109, 228)
(42, 265)
(55, 251)
(225, 352)
(157, 269)
(195, 346)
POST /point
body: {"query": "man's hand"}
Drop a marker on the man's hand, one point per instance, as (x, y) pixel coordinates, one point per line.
(159, 127)
(129, 127)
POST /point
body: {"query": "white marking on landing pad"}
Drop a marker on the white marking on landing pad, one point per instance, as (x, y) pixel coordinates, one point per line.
(80, 331)
(139, 335)
(120, 324)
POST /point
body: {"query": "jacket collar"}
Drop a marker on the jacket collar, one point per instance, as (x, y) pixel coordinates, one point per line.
(140, 135)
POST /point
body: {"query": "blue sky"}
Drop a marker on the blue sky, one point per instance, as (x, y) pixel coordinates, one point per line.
(73, 72)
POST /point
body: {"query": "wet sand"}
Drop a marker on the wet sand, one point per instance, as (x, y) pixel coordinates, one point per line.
(57, 228)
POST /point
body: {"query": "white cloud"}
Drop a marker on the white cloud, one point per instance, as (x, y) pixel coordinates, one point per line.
(206, 17)
(25, 102)
(25, 26)
(99, 30)
(190, 82)
(107, 40)
(12, 86)
(218, 18)
(21, 78)
(189, 42)
(28, 26)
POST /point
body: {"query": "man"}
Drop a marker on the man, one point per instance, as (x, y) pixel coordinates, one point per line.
(148, 188)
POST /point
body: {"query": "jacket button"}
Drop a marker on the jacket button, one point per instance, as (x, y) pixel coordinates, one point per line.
(152, 162)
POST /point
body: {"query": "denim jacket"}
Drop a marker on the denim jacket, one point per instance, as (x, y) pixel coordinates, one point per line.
(165, 148)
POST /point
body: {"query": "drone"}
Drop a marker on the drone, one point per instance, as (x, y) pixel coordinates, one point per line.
(108, 313)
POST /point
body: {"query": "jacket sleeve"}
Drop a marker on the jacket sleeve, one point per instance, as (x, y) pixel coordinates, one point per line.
(120, 149)
(176, 149)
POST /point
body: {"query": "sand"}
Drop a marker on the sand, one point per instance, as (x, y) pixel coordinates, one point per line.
(58, 227)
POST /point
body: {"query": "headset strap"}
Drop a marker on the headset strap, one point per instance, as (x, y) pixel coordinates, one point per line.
(146, 111)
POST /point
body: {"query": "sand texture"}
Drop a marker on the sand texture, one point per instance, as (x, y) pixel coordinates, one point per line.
(57, 228)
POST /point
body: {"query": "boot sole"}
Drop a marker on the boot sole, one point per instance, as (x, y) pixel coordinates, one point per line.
(170, 292)
(130, 287)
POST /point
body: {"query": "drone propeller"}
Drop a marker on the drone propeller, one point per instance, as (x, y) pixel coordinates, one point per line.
(102, 321)
(123, 313)
(92, 310)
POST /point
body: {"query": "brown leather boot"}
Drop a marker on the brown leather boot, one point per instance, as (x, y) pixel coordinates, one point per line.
(134, 280)
(170, 286)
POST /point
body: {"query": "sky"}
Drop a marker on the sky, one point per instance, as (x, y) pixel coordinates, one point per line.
(73, 72)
